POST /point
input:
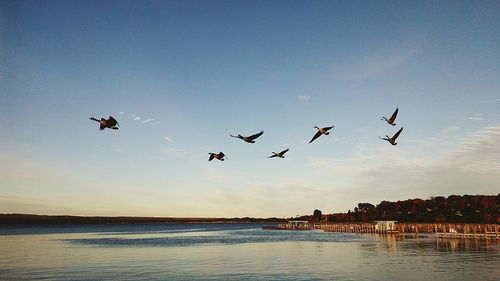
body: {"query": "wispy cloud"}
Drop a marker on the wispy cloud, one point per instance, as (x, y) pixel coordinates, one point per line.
(476, 117)
(391, 173)
(479, 152)
(22, 204)
(257, 198)
(136, 117)
(374, 65)
(168, 139)
(450, 130)
(304, 98)
(175, 151)
(216, 175)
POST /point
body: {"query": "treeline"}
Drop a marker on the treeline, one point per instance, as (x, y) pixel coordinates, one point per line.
(7, 219)
(454, 208)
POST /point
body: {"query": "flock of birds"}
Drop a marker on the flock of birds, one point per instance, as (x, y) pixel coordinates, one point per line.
(111, 123)
(392, 140)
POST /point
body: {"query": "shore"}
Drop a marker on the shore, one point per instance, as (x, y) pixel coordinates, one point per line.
(442, 229)
(16, 219)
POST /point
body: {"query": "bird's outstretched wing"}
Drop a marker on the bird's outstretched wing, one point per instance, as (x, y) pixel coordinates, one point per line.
(211, 157)
(328, 128)
(284, 151)
(318, 133)
(397, 134)
(272, 156)
(112, 121)
(393, 116)
(252, 137)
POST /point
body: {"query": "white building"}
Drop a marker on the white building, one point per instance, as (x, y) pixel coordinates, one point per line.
(298, 223)
(385, 225)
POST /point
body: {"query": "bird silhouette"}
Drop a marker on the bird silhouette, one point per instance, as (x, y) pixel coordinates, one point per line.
(392, 119)
(393, 139)
(280, 155)
(321, 131)
(111, 123)
(219, 156)
(249, 139)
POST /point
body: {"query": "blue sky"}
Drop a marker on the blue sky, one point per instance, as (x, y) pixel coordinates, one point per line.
(180, 76)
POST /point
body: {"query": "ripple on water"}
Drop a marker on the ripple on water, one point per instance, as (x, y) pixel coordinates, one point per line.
(221, 252)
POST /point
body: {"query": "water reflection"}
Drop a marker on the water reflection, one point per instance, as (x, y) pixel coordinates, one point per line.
(467, 245)
(244, 253)
(393, 242)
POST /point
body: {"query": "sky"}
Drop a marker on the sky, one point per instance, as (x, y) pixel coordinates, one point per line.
(180, 76)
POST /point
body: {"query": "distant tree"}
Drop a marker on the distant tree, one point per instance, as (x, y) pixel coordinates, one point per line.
(387, 210)
(454, 208)
(317, 215)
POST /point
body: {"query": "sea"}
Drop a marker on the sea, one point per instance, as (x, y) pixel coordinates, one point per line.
(203, 251)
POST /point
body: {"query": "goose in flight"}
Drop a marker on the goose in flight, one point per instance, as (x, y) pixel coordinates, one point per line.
(249, 139)
(392, 119)
(321, 131)
(393, 139)
(280, 155)
(219, 156)
(111, 123)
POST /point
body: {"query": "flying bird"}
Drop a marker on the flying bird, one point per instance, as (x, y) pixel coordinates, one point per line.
(280, 155)
(392, 119)
(321, 131)
(111, 123)
(219, 156)
(393, 139)
(249, 139)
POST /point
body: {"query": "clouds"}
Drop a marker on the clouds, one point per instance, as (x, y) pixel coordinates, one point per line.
(304, 98)
(135, 117)
(476, 117)
(175, 151)
(172, 150)
(390, 173)
(450, 130)
(257, 199)
(479, 152)
(471, 167)
(16, 204)
(216, 175)
(168, 139)
(376, 64)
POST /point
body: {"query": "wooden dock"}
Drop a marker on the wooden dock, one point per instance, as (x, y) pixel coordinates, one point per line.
(441, 230)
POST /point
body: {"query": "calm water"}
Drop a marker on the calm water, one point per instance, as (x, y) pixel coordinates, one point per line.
(234, 252)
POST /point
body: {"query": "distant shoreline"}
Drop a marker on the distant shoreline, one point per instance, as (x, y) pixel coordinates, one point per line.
(24, 219)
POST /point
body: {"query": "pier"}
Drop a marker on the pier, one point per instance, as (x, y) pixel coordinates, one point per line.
(441, 230)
